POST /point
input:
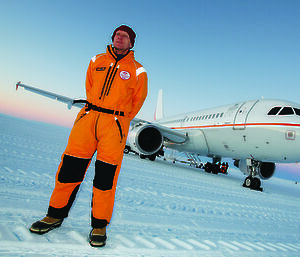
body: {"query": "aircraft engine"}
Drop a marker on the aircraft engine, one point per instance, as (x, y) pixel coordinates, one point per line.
(265, 170)
(145, 139)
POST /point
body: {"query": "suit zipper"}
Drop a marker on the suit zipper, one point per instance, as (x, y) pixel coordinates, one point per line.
(110, 76)
(113, 77)
(105, 81)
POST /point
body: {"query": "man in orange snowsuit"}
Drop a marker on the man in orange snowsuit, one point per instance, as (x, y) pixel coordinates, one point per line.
(116, 87)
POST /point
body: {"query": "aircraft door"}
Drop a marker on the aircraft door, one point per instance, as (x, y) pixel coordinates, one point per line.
(242, 113)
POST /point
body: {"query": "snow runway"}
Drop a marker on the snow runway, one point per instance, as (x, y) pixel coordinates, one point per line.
(161, 209)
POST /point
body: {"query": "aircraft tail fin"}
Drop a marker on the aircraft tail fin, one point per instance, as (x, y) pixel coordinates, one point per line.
(159, 112)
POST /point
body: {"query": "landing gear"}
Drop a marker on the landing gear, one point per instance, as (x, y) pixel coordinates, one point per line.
(208, 167)
(127, 149)
(213, 167)
(251, 181)
(150, 157)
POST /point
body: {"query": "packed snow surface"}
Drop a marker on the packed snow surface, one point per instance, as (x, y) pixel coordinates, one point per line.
(161, 208)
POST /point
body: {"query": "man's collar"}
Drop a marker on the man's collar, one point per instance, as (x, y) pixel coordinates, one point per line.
(117, 57)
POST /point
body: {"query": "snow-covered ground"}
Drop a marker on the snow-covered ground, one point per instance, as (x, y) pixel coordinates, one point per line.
(161, 208)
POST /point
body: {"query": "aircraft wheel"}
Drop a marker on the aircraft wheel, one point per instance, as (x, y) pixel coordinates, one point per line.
(208, 167)
(248, 182)
(257, 182)
(253, 183)
(126, 151)
(215, 169)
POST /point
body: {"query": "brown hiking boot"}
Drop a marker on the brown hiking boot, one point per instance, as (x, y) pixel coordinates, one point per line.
(98, 237)
(45, 225)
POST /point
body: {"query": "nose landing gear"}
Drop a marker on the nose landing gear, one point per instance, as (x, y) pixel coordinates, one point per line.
(251, 181)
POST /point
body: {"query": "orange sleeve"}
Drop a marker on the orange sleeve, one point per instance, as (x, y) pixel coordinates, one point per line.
(140, 94)
(89, 78)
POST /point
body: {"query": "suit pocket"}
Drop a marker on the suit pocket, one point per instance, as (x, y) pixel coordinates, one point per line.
(120, 128)
(80, 116)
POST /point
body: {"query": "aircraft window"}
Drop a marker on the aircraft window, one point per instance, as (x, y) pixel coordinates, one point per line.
(221, 115)
(297, 111)
(274, 110)
(286, 111)
(213, 116)
(209, 116)
(217, 116)
(206, 117)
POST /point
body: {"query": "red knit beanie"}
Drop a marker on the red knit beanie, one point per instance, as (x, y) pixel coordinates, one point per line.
(127, 29)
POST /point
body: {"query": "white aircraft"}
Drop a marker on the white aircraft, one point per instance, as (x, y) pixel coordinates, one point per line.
(255, 133)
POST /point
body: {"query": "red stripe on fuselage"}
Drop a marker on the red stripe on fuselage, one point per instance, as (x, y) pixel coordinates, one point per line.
(239, 125)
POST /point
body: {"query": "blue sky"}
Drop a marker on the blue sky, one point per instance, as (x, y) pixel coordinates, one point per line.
(202, 53)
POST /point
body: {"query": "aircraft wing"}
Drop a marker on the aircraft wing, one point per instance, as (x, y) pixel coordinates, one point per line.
(168, 134)
(172, 135)
(69, 101)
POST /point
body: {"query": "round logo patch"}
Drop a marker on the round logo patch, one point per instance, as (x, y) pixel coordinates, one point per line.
(124, 75)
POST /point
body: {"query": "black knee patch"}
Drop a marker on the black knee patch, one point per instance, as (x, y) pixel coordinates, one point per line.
(104, 175)
(72, 169)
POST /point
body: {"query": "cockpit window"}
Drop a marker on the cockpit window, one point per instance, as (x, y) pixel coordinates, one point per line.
(297, 111)
(287, 111)
(284, 111)
(274, 111)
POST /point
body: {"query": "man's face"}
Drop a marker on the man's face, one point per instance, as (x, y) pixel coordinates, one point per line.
(122, 41)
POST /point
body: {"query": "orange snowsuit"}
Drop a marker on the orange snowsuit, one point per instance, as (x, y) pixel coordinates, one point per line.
(116, 90)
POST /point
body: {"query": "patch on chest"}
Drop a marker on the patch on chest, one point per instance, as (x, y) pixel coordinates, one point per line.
(124, 75)
(100, 68)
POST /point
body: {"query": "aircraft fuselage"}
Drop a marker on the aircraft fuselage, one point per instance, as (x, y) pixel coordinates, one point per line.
(240, 131)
